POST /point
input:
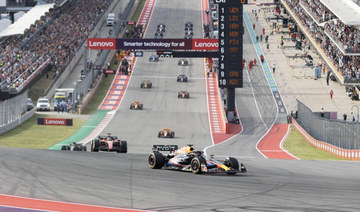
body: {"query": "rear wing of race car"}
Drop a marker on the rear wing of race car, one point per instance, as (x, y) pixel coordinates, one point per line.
(170, 148)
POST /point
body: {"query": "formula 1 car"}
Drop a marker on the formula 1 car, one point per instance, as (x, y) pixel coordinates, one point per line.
(74, 147)
(183, 62)
(146, 84)
(154, 58)
(187, 159)
(161, 27)
(182, 78)
(189, 32)
(188, 24)
(108, 143)
(183, 95)
(136, 106)
(187, 37)
(166, 133)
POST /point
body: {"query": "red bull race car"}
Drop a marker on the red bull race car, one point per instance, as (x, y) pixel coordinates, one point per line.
(108, 143)
(187, 159)
(146, 84)
(183, 95)
(166, 133)
(136, 106)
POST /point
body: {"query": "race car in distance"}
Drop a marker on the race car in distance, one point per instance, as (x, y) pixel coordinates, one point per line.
(183, 62)
(146, 84)
(166, 133)
(183, 95)
(189, 32)
(161, 27)
(187, 37)
(154, 58)
(136, 106)
(188, 24)
(74, 147)
(187, 159)
(182, 78)
(108, 143)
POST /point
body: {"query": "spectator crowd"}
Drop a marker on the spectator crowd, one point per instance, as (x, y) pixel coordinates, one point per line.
(62, 32)
(347, 37)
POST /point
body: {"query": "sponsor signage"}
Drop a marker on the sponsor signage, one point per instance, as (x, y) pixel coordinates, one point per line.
(131, 22)
(101, 43)
(163, 44)
(231, 44)
(55, 121)
(109, 71)
(139, 53)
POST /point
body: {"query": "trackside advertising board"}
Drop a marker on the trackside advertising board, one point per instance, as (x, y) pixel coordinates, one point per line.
(56, 122)
(163, 44)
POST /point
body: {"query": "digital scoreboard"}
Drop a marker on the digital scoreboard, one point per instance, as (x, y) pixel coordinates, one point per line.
(230, 43)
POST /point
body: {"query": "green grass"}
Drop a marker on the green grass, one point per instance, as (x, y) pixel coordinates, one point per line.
(99, 96)
(138, 10)
(297, 145)
(31, 135)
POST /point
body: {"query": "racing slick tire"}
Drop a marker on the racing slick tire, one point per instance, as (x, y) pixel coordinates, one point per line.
(123, 147)
(65, 147)
(141, 86)
(160, 135)
(233, 163)
(156, 160)
(172, 134)
(150, 86)
(83, 148)
(95, 145)
(196, 165)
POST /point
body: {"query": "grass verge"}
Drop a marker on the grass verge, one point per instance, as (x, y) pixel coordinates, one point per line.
(31, 135)
(297, 145)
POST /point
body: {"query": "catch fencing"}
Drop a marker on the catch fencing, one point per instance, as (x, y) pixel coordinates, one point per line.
(339, 133)
(14, 112)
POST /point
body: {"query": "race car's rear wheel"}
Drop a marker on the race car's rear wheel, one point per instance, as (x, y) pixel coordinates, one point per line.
(95, 145)
(172, 135)
(83, 148)
(123, 147)
(196, 165)
(156, 160)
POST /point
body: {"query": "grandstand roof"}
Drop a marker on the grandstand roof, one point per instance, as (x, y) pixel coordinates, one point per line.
(346, 10)
(26, 20)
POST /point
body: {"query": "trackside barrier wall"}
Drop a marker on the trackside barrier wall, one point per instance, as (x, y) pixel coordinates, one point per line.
(71, 66)
(13, 112)
(350, 154)
(339, 133)
(308, 35)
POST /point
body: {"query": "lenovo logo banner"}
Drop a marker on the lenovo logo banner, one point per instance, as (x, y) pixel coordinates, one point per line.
(101, 43)
(205, 44)
(56, 122)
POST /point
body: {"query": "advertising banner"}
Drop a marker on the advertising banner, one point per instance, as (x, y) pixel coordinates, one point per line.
(55, 121)
(101, 43)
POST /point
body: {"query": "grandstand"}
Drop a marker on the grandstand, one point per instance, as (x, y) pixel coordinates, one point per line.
(50, 42)
(334, 27)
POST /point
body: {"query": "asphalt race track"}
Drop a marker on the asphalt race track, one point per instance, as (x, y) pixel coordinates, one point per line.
(125, 180)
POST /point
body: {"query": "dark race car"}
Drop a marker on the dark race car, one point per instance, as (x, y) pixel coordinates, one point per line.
(188, 24)
(161, 27)
(146, 84)
(183, 95)
(183, 62)
(187, 159)
(166, 133)
(74, 147)
(154, 58)
(187, 37)
(136, 106)
(108, 143)
(182, 78)
(189, 33)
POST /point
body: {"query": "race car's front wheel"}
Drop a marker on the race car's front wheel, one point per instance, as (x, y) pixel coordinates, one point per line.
(156, 160)
(196, 165)
(232, 163)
